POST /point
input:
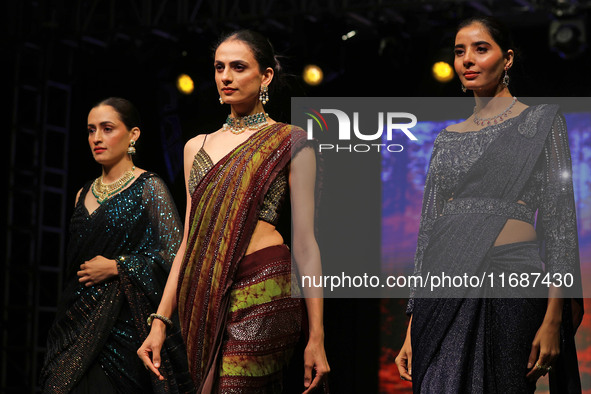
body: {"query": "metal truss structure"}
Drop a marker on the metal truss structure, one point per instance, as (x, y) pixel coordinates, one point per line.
(36, 223)
(89, 17)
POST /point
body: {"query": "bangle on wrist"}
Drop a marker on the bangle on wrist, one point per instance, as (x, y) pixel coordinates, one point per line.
(119, 263)
(167, 322)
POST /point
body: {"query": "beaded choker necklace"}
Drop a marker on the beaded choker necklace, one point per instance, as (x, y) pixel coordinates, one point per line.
(249, 122)
(103, 191)
(494, 119)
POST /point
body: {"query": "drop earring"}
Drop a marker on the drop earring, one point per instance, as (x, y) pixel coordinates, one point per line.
(221, 100)
(264, 94)
(131, 150)
(463, 88)
(505, 80)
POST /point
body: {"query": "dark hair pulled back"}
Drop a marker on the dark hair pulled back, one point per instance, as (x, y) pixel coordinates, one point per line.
(261, 48)
(127, 112)
(498, 31)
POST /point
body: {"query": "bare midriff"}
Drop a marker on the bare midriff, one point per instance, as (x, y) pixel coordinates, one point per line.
(516, 231)
(264, 235)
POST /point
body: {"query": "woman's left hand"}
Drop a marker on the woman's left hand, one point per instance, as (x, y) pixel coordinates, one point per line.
(577, 312)
(545, 349)
(315, 365)
(97, 270)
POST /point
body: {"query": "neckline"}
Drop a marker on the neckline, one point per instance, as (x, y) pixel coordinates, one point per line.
(203, 152)
(131, 185)
(202, 149)
(485, 128)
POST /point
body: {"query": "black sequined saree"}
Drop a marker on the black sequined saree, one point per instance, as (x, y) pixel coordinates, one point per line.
(98, 329)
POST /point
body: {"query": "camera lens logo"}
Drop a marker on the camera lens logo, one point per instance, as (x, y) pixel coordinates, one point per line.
(318, 118)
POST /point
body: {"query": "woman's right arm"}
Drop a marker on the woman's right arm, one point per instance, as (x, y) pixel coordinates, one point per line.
(149, 352)
(404, 358)
(431, 207)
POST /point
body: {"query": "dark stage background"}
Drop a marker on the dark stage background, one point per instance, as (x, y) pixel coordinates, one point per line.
(60, 57)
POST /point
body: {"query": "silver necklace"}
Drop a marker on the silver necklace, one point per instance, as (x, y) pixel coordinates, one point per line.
(494, 119)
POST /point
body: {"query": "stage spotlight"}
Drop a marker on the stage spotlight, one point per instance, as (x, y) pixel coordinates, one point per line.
(313, 75)
(350, 34)
(184, 84)
(443, 71)
(567, 37)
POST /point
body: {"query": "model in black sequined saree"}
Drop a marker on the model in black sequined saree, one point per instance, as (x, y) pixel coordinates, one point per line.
(473, 342)
(98, 329)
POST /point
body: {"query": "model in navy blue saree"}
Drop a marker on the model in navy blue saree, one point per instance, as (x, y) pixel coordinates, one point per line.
(478, 339)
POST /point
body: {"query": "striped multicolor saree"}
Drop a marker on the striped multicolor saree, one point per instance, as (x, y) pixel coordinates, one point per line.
(223, 217)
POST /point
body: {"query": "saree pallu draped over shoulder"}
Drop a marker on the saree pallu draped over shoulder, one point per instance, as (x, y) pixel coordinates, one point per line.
(224, 209)
(455, 347)
(497, 177)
